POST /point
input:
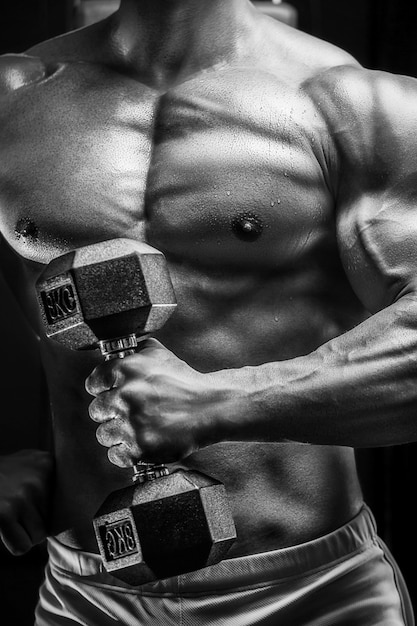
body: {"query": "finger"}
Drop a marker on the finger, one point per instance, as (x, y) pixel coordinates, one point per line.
(123, 456)
(15, 538)
(107, 406)
(104, 377)
(114, 432)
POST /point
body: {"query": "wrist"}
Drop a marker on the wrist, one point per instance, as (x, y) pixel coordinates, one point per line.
(230, 410)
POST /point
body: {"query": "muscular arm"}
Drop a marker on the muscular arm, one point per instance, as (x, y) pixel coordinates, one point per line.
(360, 389)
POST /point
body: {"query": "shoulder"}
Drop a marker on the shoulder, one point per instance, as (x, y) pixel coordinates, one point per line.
(361, 90)
(35, 64)
(352, 96)
(370, 115)
(19, 70)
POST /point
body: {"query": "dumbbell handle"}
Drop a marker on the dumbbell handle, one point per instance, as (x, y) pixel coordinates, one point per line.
(118, 348)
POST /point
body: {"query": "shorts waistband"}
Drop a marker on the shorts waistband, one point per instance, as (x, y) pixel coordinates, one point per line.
(275, 565)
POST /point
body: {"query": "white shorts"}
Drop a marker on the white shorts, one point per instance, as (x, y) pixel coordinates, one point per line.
(346, 578)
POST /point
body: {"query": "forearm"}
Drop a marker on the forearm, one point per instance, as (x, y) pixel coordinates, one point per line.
(359, 389)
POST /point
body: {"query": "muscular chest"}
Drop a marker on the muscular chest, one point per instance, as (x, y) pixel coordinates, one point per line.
(225, 160)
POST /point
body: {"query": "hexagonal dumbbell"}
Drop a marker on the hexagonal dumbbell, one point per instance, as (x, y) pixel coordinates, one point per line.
(109, 290)
(105, 296)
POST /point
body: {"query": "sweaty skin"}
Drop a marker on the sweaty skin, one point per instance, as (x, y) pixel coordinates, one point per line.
(278, 177)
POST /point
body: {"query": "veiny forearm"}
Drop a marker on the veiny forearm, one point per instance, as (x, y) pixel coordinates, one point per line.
(359, 389)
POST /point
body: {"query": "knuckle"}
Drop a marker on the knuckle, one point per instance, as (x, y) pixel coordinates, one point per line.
(98, 409)
(90, 386)
(93, 379)
(100, 379)
(119, 456)
(103, 436)
(94, 411)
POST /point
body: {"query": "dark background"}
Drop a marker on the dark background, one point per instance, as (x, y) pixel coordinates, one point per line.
(381, 34)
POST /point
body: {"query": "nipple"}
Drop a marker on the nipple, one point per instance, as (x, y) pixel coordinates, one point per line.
(26, 229)
(247, 226)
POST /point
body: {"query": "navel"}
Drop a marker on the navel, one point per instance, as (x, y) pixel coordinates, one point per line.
(247, 226)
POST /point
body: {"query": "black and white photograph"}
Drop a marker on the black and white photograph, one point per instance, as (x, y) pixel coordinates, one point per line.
(208, 286)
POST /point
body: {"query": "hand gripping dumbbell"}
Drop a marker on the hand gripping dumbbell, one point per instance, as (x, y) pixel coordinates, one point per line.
(104, 296)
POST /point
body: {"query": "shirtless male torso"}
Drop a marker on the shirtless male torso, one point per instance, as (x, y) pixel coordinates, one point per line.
(279, 179)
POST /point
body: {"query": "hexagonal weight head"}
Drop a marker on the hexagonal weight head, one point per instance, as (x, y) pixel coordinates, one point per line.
(106, 290)
(166, 527)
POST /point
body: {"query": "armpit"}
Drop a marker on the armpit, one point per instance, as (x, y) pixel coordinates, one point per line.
(18, 70)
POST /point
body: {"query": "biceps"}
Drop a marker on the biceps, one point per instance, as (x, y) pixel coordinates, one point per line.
(378, 247)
